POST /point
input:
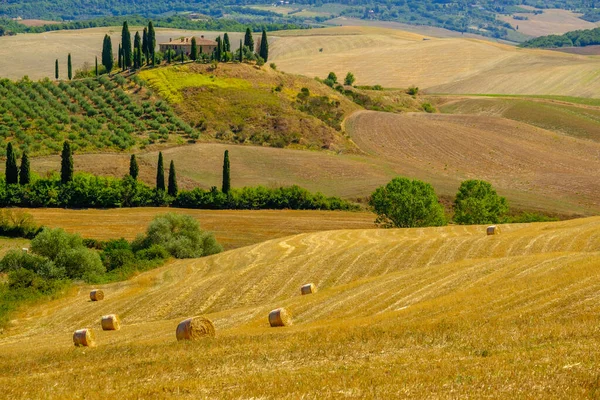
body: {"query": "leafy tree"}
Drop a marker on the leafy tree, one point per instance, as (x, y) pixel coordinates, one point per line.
(403, 203)
(248, 40)
(226, 186)
(126, 46)
(145, 47)
(133, 167)
(477, 203)
(137, 51)
(56, 69)
(66, 164)
(24, 171)
(226, 43)
(69, 67)
(264, 47)
(107, 54)
(172, 189)
(12, 171)
(194, 50)
(332, 77)
(349, 80)
(151, 41)
(160, 174)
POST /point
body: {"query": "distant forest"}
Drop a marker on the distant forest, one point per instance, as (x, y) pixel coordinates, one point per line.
(581, 38)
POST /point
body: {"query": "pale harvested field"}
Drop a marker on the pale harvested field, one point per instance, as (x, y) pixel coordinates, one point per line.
(232, 229)
(550, 22)
(522, 161)
(420, 313)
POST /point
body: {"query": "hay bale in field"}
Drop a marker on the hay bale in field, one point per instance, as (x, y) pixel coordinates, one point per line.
(195, 328)
(280, 317)
(84, 337)
(96, 295)
(493, 230)
(309, 288)
(110, 322)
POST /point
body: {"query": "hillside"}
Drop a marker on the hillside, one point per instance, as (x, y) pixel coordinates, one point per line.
(437, 311)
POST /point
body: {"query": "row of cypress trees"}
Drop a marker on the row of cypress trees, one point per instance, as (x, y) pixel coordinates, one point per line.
(69, 68)
(128, 57)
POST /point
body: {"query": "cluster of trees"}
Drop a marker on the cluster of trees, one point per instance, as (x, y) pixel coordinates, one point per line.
(405, 203)
(580, 38)
(143, 51)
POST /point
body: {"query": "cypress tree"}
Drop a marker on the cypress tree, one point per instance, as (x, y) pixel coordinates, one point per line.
(169, 56)
(56, 69)
(12, 171)
(226, 43)
(194, 50)
(226, 174)
(218, 49)
(160, 173)
(182, 57)
(145, 45)
(126, 46)
(137, 52)
(264, 46)
(24, 171)
(107, 54)
(96, 66)
(172, 180)
(66, 163)
(249, 40)
(241, 52)
(133, 167)
(151, 41)
(69, 67)
(120, 59)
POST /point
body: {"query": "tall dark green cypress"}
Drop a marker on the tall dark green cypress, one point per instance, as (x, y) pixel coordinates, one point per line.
(160, 173)
(264, 46)
(24, 171)
(12, 171)
(69, 67)
(172, 190)
(182, 57)
(126, 46)
(218, 49)
(151, 41)
(107, 54)
(194, 50)
(226, 43)
(169, 56)
(134, 170)
(120, 57)
(249, 40)
(56, 69)
(145, 45)
(226, 187)
(241, 52)
(137, 52)
(66, 163)
(96, 66)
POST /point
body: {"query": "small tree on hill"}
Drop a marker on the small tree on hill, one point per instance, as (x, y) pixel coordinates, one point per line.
(134, 170)
(126, 46)
(226, 187)
(264, 47)
(194, 50)
(477, 203)
(219, 49)
(403, 203)
(226, 43)
(151, 42)
(120, 57)
(145, 47)
(107, 54)
(66, 163)
(137, 51)
(160, 174)
(349, 79)
(11, 171)
(241, 55)
(56, 69)
(24, 171)
(248, 40)
(172, 190)
(69, 67)
(96, 67)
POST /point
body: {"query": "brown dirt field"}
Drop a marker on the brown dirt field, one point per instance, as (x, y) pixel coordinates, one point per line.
(584, 51)
(37, 22)
(521, 161)
(550, 22)
(232, 229)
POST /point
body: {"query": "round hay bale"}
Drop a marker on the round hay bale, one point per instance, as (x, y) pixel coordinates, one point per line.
(84, 337)
(280, 317)
(493, 230)
(309, 288)
(110, 322)
(195, 328)
(96, 295)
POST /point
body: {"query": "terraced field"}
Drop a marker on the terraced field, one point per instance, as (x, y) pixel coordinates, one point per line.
(438, 312)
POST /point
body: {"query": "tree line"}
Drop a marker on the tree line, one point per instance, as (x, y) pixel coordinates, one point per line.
(580, 38)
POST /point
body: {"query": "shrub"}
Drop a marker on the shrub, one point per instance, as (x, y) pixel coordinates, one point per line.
(427, 107)
(18, 259)
(403, 203)
(413, 90)
(477, 203)
(349, 79)
(273, 66)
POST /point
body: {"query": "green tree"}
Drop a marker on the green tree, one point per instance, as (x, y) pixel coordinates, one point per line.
(194, 50)
(107, 54)
(405, 203)
(226, 187)
(172, 189)
(126, 46)
(160, 173)
(332, 77)
(66, 163)
(56, 69)
(248, 40)
(96, 66)
(120, 57)
(134, 170)
(264, 47)
(349, 79)
(145, 47)
(226, 43)
(169, 52)
(69, 67)
(137, 51)
(478, 203)
(12, 171)
(241, 55)
(151, 42)
(219, 49)
(24, 171)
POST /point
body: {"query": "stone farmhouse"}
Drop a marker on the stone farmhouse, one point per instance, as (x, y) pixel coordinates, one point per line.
(184, 45)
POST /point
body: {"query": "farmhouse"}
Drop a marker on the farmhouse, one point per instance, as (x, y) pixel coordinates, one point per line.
(184, 45)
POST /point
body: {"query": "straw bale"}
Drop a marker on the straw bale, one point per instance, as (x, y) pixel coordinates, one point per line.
(96, 295)
(309, 288)
(110, 322)
(280, 317)
(84, 337)
(195, 328)
(493, 230)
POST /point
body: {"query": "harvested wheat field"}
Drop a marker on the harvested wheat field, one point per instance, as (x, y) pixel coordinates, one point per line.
(522, 161)
(549, 22)
(436, 312)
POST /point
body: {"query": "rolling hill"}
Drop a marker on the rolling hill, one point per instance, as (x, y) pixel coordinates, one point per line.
(444, 311)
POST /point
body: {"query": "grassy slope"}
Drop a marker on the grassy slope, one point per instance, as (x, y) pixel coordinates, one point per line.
(440, 312)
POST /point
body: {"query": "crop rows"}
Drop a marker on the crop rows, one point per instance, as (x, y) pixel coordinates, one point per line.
(93, 114)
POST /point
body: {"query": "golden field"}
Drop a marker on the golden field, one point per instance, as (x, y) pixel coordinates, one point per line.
(436, 312)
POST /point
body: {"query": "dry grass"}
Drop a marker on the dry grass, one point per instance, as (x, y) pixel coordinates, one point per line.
(550, 22)
(438, 312)
(7, 244)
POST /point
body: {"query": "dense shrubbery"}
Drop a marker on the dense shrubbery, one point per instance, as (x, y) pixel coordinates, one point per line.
(16, 223)
(477, 203)
(579, 38)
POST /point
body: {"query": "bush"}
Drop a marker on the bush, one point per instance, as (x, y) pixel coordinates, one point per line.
(477, 203)
(403, 203)
(17, 259)
(413, 91)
